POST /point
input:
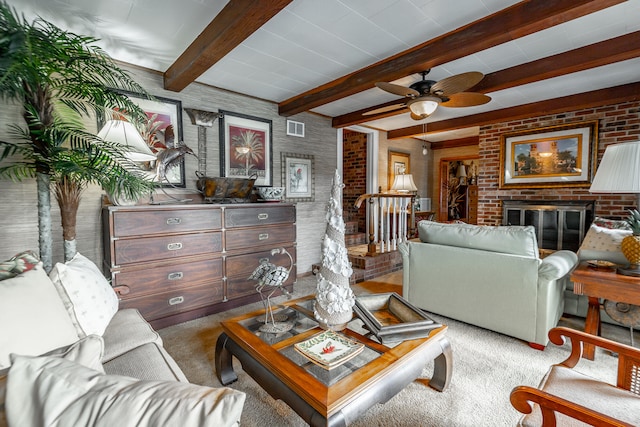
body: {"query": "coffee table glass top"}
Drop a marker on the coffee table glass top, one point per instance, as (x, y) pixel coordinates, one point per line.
(305, 326)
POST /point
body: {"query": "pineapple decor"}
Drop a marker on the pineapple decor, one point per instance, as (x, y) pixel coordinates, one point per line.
(631, 244)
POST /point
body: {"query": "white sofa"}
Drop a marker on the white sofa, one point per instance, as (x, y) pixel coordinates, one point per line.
(490, 277)
(68, 356)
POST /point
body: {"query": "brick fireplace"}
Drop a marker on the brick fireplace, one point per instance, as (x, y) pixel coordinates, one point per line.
(617, 123)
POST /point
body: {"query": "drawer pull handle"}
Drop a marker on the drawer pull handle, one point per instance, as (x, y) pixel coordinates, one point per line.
(263, 236)
(175, 276)
(174, 221)
(174, 246)
(263, 260)
(176, 300)
(263, 216)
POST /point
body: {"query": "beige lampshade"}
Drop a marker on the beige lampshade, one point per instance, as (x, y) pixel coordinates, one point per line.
(403, 183)
(125, 134)
(619, 169)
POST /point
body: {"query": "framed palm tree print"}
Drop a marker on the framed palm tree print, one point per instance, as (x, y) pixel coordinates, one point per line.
(246, 147)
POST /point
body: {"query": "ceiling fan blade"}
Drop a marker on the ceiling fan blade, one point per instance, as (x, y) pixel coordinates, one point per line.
(458, 83)
(397, 89)
(466, 99)
(384, 109)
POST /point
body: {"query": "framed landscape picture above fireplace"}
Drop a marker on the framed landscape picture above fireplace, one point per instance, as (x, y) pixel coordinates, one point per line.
(556, 156)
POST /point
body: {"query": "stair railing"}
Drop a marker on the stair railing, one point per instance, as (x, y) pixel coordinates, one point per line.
(391, 220)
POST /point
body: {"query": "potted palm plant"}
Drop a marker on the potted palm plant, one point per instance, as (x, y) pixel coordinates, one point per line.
(59, 79)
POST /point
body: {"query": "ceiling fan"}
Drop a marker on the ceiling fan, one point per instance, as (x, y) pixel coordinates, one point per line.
(424, 96)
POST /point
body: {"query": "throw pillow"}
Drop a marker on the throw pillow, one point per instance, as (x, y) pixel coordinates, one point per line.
(24, 261)
(87, 352)
(87, 295)
(603, 243)
(56, 392)
(614, 224)
(32, 316)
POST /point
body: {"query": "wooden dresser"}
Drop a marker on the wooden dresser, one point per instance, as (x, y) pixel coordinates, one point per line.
(178, 262)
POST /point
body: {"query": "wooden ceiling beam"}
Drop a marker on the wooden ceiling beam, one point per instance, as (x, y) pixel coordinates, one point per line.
(237, 21)
(595, 55)
(596, 98)
(453, 143)
(519, 20)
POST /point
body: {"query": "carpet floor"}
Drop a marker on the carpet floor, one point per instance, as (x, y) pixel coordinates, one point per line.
(486, 367)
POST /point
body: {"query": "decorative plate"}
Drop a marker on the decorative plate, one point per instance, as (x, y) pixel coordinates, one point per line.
(329, 349)
(598, 263)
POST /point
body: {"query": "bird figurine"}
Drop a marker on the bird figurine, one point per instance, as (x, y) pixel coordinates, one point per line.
(169, 159)
(272, 276)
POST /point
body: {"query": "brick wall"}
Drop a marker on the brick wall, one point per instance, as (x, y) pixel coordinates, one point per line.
(617, 123)
(354, 169)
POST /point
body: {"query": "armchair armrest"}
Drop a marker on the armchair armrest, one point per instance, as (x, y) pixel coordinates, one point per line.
(626, 353)
(550, 404)
(557, 265)
(627, 379)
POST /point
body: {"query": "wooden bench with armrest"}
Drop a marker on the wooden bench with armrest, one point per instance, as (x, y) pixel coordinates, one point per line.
(566, 395)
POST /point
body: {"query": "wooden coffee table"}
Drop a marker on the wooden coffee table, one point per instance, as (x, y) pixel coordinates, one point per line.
(324, 397)
(602, 283)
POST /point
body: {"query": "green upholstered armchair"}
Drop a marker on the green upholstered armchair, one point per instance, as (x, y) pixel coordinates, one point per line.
(491, 277)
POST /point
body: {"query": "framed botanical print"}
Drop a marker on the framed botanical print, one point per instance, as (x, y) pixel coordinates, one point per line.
(298, 177)
(246, 147)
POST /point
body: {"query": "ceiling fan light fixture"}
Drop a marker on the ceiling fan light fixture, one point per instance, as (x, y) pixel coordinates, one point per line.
(424, 106)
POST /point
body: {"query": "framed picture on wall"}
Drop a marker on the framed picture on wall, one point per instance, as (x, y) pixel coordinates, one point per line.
(298, 176)
(556, 156)
(399, 163)
(163, 130)
(246, 147)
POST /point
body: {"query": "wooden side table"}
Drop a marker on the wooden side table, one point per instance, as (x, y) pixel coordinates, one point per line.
(602, 283)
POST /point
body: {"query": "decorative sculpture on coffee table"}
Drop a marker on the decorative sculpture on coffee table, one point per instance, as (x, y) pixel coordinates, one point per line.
(334, 298)
(273, 276)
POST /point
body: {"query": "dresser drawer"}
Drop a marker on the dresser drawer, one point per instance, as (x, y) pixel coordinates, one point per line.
(168, 277)
(248, 217)
(172, 302)
(259, 236)
(243, 265)
(240, 287)
(128, 251)
(136, 223)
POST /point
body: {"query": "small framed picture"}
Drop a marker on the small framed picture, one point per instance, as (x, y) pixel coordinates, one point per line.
(298, 177)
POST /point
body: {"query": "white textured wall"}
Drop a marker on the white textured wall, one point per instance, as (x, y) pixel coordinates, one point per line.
(18, 215)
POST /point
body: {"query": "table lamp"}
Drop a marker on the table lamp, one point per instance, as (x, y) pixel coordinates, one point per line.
(619, 172)
(403, 183)
(124, 133)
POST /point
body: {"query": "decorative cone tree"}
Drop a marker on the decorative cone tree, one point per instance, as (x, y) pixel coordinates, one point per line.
(334, 298)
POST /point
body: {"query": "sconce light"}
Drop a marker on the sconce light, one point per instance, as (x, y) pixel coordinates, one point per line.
(424, 150)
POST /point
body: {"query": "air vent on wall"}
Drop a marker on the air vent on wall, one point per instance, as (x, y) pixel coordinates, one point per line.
(295, 128)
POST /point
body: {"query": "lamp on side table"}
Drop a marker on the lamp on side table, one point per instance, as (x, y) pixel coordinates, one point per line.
(619, 172)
